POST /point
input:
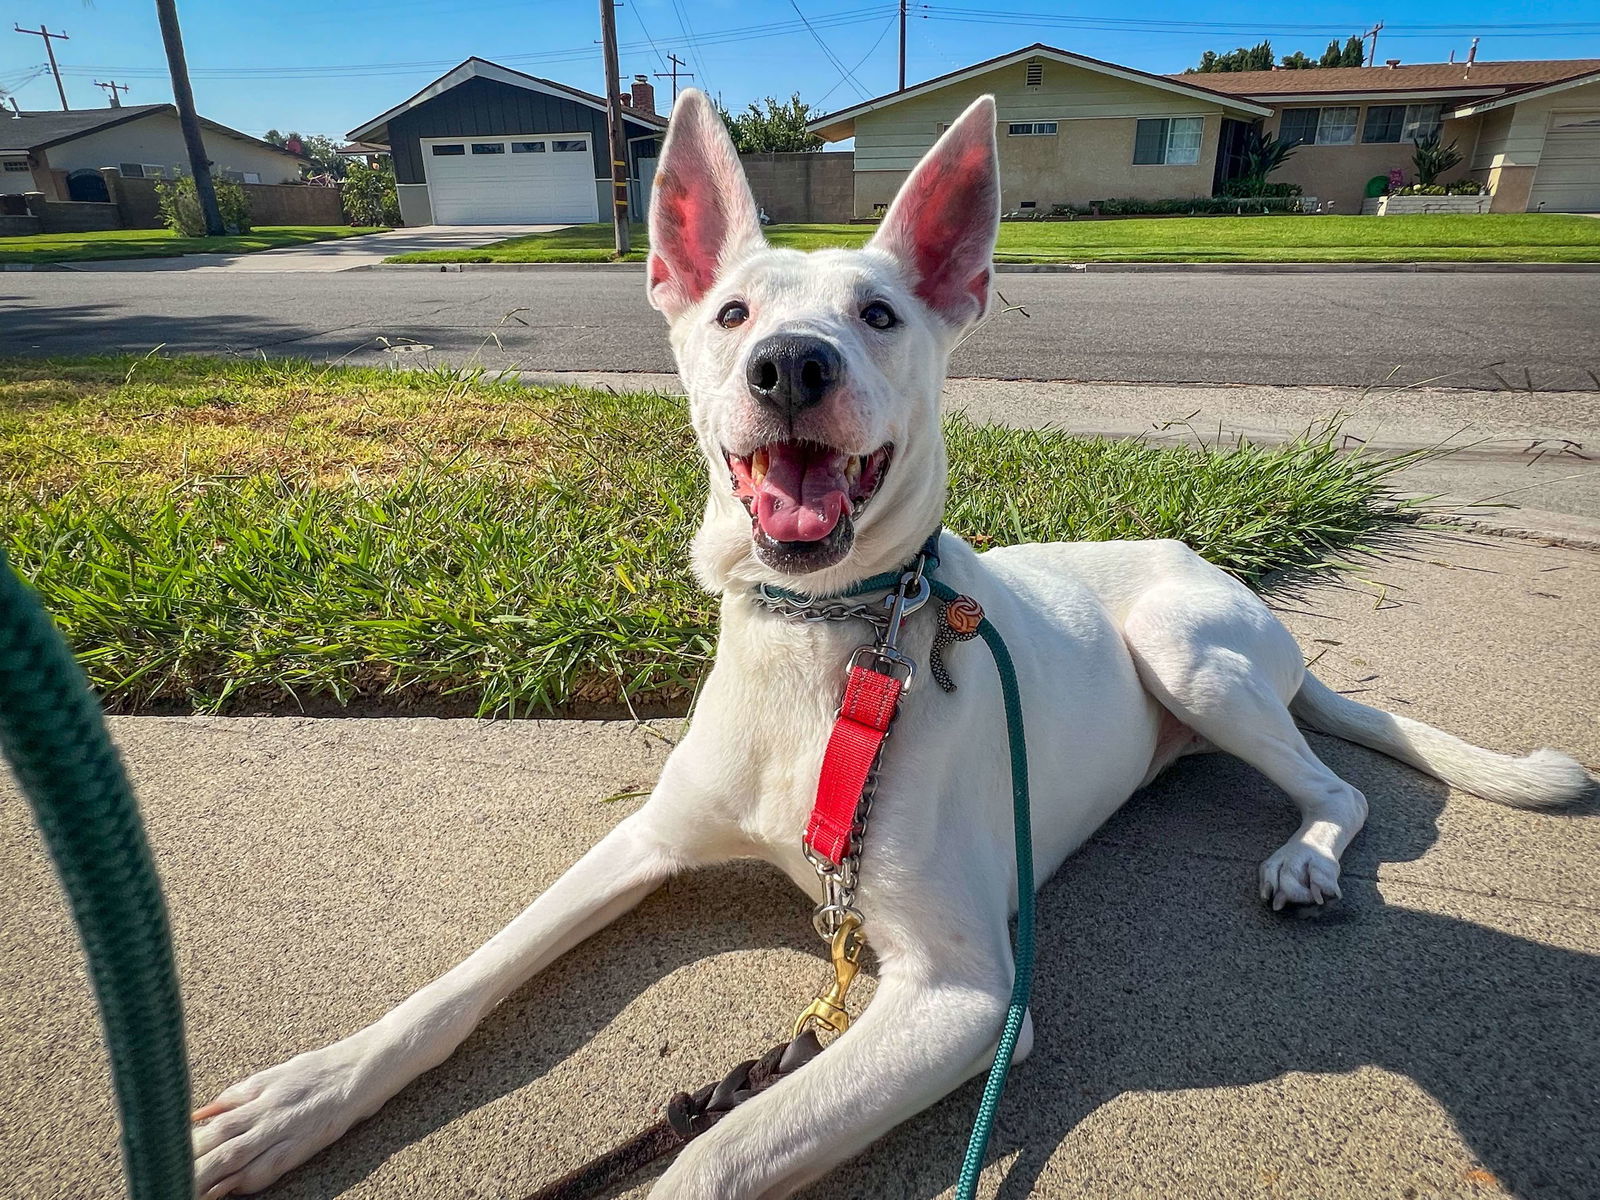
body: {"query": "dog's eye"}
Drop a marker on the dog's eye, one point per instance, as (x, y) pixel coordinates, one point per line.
(879, 315)
(733, 314)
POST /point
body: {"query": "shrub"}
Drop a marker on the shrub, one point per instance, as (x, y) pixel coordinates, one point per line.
(1421, 189)
(180, 206)
(1254, 187)
(369, 194)
(1466, 187)
(1181, 206)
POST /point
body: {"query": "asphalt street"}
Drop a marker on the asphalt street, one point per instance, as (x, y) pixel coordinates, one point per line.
(1501, 331)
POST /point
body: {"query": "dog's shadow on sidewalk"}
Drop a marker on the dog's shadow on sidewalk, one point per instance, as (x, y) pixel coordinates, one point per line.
(1159, 971)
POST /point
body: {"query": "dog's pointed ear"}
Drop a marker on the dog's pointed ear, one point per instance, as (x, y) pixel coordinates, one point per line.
(702, 215)
(943, 224)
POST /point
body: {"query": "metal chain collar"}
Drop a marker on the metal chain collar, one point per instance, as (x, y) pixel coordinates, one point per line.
(886, 617)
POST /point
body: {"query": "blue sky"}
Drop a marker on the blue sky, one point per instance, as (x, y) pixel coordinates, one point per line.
(321, 66)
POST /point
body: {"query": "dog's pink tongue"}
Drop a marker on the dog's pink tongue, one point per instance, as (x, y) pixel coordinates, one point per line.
(803, 495)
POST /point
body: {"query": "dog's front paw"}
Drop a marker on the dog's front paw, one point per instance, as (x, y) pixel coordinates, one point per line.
(1299, 873)
(272, 1122)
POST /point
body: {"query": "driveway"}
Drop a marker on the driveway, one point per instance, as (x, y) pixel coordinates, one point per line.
(342, 254)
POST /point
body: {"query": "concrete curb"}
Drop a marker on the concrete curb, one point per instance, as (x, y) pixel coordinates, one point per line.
(1528, 525)
(1236, 268)
(34, 267)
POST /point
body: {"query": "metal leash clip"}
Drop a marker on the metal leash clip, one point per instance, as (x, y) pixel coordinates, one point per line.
(828, 1010)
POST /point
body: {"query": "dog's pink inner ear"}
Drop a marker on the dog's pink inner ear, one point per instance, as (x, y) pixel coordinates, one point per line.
(944, 222)
(688, 234)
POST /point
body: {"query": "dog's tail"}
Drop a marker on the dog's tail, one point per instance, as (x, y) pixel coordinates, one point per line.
(1543, 779)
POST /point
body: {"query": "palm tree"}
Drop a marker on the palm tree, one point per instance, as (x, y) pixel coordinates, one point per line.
(183, 94)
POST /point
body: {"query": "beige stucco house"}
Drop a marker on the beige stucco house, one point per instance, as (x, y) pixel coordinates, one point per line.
(61, 153)
(1075, 129)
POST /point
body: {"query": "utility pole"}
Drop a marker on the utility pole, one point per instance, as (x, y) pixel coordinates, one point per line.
(51, 54)
(1372, 58)
(112, 89)
(619, 144)
(902, 45)
(188, 119)
(674, 73)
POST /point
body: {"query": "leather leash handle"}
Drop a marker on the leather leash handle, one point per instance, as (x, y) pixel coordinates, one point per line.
(688, 1116)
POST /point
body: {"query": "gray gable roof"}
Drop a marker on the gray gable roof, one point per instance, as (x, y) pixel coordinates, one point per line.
(37, 130)
(31, 131)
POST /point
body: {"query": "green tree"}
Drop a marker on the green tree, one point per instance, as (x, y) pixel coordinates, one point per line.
(1259, 58)
(321, 150)
(776, 129)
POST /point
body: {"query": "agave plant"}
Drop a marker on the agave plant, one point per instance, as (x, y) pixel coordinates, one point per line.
(1262, 156)
(1432, 159)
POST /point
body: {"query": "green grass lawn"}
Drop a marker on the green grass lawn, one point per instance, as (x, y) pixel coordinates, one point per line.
(1510, 237)
(160, 243)
(237, 536)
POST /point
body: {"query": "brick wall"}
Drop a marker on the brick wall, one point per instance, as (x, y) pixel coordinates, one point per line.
(13, 226)
(804, 187)
(71, 216)
(270, 203)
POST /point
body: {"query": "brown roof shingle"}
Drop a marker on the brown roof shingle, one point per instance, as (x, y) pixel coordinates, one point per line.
(1484, 77)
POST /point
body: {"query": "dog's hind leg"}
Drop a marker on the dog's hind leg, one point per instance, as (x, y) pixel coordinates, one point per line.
(1210, 652)
(258, 1129)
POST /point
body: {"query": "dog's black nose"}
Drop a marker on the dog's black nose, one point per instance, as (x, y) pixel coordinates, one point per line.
(789, 372)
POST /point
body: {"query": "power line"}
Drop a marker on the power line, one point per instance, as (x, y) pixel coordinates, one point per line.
(887, 26)
(829, 54)
(571, 54)
(1147, 24)
(634, 9)
(689, 40)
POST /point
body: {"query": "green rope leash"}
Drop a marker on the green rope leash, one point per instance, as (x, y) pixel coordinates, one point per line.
(52, 731)
(1022, 825)
(1022, 952)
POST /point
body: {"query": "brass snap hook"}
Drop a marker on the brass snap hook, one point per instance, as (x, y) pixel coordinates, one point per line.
(827, 1010)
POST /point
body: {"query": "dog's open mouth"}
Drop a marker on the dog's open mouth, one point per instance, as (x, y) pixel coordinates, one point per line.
(803, 498)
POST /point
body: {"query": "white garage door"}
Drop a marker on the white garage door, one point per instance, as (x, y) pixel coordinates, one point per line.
(530, 178)
(1568, 179)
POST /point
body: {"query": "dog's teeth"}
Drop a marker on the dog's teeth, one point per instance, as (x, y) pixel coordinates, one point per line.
(852, 467)
(758, 464)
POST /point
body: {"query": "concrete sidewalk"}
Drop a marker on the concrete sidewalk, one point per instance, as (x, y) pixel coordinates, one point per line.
(1435, 1034)
(337, 254)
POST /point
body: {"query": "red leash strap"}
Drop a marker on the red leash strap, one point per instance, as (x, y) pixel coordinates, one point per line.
(870, 700)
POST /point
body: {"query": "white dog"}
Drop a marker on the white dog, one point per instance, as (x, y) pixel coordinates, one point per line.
(814, 384)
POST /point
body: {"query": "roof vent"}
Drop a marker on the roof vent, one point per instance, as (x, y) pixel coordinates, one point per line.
(1391, 63)
(1035, 73)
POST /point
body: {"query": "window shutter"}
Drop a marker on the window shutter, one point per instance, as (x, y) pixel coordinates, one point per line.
(1150, 141)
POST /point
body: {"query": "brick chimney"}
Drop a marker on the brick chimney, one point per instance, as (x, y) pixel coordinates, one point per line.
(643, 97)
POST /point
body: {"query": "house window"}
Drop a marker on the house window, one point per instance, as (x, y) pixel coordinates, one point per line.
(527, 147)
(1401, 122)
(1031, 129)
(488, 147)
(1169, 141)
(252, 177)
(447, 150)
(1035, 74)
(568, 147)
(16, 164)
(126, 170)
(1318, 126)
